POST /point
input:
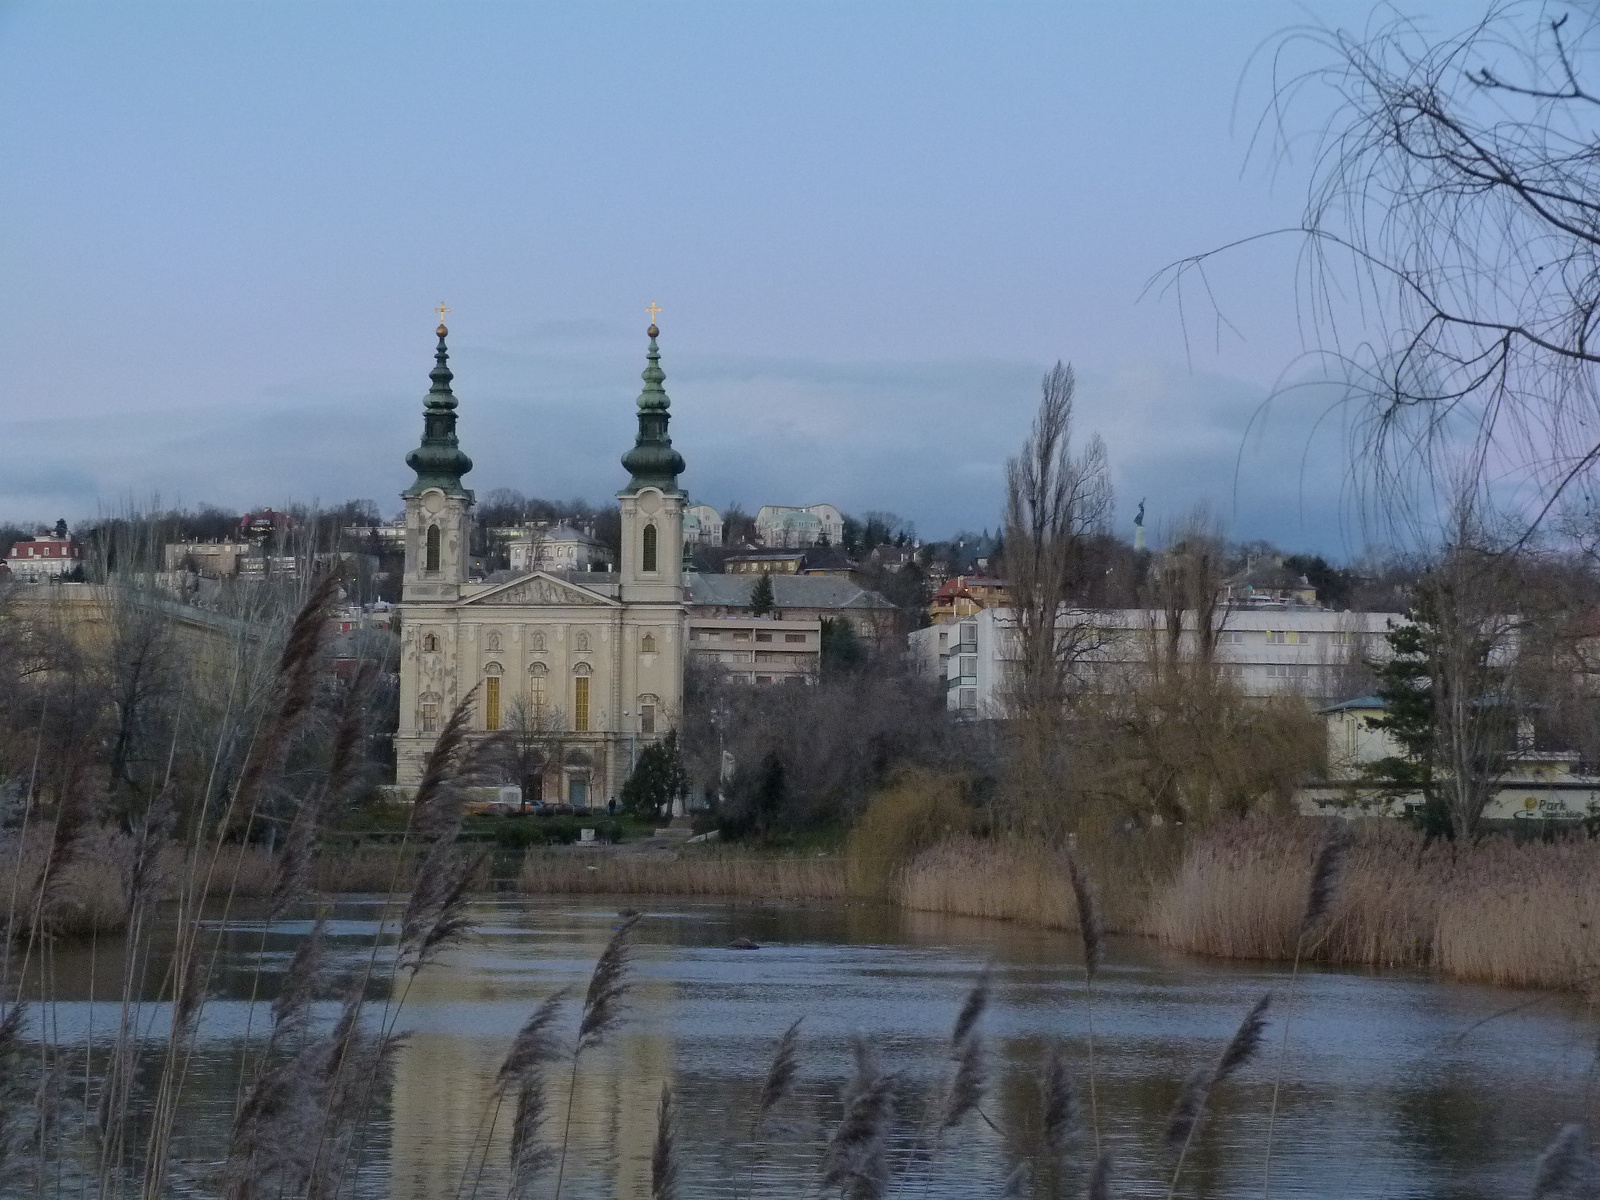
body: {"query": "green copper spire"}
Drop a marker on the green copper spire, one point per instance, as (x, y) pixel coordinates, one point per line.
(438, 461)
(652, 461)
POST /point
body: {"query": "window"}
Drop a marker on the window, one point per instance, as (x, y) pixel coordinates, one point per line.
(763, 678)
(431, 561)
(647, 644)
(647, 561)
(969, 666)
(536, 642)
(491, 640)
(795, 638)
(491, 703)
(538, 695)
(969, 635)
(740, 635)
(647, 718)
(763, 637)
(969, 699)
(580, 704)
(770, 656)
(430, 718)
(944, 640)
(581, 643)
(430, 642)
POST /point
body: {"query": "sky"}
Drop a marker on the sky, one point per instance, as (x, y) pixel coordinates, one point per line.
(870, 226)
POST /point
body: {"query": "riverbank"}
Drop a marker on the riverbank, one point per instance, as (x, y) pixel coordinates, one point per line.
(1516, 914)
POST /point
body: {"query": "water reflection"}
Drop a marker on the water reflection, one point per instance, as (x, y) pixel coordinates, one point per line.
(1378, 1097)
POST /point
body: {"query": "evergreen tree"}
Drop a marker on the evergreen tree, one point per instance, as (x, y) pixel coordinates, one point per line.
(658, 779)
(841, 649)
(762, 603)
(1450, 708)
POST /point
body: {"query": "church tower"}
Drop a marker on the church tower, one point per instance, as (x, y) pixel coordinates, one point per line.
(651, 570)
(437, 505)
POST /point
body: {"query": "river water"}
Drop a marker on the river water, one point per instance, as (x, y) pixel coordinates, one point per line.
(1392, 1085)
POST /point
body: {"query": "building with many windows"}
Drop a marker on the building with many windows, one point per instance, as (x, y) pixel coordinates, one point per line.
(1310, 652)
(786, 526)
(595, 658)
(48, 556)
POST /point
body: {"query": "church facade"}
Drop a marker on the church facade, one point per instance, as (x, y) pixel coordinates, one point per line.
(581, 668)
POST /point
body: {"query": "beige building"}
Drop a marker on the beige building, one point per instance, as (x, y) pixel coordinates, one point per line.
(597, 657)
(757, 649)
(556, 546)
(216, 559)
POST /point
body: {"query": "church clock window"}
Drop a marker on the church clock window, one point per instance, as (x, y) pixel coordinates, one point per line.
(648, 558)
(431, 559)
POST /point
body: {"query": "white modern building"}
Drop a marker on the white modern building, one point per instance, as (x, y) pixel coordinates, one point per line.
(783, 526)
(1306, 651)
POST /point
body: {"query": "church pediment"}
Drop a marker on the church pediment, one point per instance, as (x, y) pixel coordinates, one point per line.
(542, 589)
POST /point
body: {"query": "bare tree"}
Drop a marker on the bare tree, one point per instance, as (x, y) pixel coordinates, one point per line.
(1055, 501)
(1450, 272)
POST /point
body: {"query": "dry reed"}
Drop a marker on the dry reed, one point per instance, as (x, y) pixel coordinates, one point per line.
(720, 873)
(1499, 911)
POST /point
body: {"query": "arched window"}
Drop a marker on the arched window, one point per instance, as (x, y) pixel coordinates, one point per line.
(580, 698)
(538, 693)
(581, 643)
(431, 561)
(536, 642)
(648, 704)
(491, 696)
(647, 561)
(647, 644)
(430, 642)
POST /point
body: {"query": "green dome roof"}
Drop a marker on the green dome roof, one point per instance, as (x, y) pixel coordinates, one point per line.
(439, 461)
(653, 462)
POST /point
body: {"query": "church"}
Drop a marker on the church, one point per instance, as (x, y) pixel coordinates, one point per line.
(590, 664)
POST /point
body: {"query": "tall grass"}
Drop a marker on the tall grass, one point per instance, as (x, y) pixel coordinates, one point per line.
(721, 873)
(1496, 911)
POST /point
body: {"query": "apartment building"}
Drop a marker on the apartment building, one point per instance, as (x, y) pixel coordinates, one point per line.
(1308, 652)
(757, 649)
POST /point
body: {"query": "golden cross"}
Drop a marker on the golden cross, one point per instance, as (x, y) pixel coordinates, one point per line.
(653, 310)
(441, 310)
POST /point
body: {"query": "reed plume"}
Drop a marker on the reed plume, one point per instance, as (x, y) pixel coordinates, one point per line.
(602, 1010)
(608, 987)
(1197, 1089)
(292, 1006)
(296, 679)
(1099, 1186)
(529, 1159)
(663, 1158)
(1566, 1170)
(534, 1046)
(972, 1008)
(12, 1095)
(1062, 1113)
(1325, 872)
(855, 1161)
(780, 1074)
(968, 1085)
(345, 769)
(1091, 929)
(436, 809)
